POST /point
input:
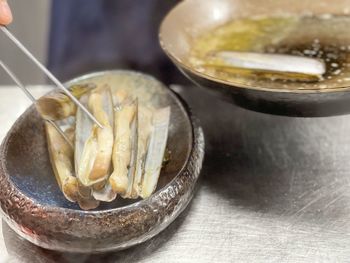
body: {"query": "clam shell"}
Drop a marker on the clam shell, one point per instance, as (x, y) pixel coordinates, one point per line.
(93, 148)
(145, 125)
(61, 158)
(155, 152)
(123, 154)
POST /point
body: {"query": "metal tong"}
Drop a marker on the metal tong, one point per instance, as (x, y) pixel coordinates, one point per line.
(48, 74)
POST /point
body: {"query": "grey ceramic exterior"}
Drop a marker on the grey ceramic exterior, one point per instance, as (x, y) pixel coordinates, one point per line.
(33, 206)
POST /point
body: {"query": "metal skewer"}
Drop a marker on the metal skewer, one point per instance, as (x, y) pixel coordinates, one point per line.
(48, 73)
(30, 96)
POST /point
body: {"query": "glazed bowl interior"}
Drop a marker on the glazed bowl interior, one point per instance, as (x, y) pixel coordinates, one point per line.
(27, 160)
(193, 18)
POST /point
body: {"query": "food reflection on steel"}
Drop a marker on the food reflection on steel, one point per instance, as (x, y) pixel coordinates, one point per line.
(124, 158)
(283, 66)
(292, 52)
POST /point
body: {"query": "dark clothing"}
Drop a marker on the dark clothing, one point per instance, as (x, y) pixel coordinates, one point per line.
(91, 35)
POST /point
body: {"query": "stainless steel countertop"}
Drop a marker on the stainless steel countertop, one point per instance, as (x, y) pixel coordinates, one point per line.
(273, 189)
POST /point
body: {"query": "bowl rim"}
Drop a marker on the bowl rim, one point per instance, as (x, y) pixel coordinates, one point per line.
(182, 104)
(181, 65)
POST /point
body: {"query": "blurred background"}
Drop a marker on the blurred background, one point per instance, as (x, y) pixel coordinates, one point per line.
(32, 27)
(76, 37)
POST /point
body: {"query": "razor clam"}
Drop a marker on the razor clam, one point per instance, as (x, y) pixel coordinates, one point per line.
(85, 192)
(106, 194)
(88, 204)
(156, 149)
(134, 150)
(101, 105)
(86, 200)
(119, 96)
(144, 127)
(124, 132)
(61, 157)
(70, 133)
(59, 106)
(282, 66)
(93, 148)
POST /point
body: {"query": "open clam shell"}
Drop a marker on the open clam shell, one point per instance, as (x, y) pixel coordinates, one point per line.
(156, 150)
(93, 148)
(61, 157)
(62, 162)
(125, 133)
(145, 125)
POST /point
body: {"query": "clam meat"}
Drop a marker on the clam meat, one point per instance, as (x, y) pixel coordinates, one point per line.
(123, 159)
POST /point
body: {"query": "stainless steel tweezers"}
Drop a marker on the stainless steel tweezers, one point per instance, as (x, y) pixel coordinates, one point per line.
(48, 74)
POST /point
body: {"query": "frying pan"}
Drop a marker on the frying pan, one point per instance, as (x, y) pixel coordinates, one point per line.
(192, 18)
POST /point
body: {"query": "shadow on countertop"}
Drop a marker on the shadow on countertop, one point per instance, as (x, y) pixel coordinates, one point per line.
(283, 166)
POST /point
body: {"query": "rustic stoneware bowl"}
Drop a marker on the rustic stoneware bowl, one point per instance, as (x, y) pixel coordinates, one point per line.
(192, 18)
(33, 206)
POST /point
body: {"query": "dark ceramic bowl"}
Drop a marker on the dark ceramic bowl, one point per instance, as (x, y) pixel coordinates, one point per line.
(33, 206)
(192, 18)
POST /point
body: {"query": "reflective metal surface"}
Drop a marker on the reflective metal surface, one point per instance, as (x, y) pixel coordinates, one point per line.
(194, 17)
(273, 189)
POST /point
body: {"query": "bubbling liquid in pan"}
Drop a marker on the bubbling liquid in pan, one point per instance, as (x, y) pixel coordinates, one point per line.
(324, 37)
